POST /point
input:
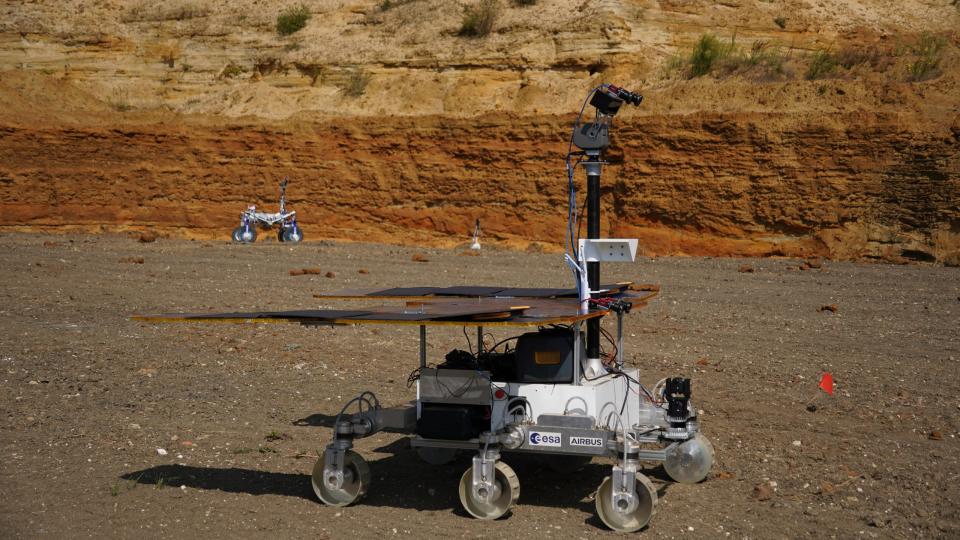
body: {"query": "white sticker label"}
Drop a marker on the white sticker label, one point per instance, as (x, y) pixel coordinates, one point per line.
(545, 438)
(593, 442)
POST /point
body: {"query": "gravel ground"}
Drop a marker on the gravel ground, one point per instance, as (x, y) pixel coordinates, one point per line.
(89, 396)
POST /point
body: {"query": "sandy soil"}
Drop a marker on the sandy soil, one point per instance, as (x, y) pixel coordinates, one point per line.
(89, 396)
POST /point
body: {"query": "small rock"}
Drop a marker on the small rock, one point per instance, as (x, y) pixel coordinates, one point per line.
(183, 487)
(148, 237)
(134, 426)
(877, 519)
(419, 257)
(312, 271)
(161, 452)
(796, 443)
(832, 308)
(745, 269)
(148, 371)
(814, 262)
(131, 260)
(431, 492)
(363, 271)
(331, 274)
(296, 272)
(935, 436)
(762, 492)
(826, 488)
(812, 407)
(291, 346)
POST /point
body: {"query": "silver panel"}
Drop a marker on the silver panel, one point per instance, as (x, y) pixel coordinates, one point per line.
(578, 421)
(455, 386)
(591, 442)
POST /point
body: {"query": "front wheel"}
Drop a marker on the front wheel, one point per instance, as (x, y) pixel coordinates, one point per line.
(689, 462)
(293, 234)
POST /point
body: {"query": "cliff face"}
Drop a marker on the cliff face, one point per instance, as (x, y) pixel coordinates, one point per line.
(393, 129)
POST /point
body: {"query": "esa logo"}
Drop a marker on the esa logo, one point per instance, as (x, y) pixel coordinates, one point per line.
(544, 438)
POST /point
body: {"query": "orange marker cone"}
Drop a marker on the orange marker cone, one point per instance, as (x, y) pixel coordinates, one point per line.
(826, 383)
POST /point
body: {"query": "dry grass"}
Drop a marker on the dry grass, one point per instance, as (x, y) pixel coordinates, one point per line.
(356, 83)
(147, 11)
(479, 19)
(292, 20)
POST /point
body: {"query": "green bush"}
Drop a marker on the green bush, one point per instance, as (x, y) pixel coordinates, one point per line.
(707, 54)
(478, 20)
(927, 65)
(292, 20)
(356, 83)
(822, 64)
(524, 2)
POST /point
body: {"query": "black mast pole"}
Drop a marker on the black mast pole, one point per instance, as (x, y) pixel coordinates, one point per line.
(593, 166)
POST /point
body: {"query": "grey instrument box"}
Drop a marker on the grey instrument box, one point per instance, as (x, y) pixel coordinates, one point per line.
(455, 386)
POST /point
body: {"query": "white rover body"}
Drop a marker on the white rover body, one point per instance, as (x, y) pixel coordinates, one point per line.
(556, 394)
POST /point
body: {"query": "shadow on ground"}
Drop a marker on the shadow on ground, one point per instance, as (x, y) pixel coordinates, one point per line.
(401, 480)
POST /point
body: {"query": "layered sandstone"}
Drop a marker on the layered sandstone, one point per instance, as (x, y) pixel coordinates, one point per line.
(122, 115)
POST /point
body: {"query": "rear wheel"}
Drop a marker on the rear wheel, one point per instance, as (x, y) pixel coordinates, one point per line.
(245, 235)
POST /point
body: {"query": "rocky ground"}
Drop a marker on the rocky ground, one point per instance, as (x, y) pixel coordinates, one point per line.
(89, 397)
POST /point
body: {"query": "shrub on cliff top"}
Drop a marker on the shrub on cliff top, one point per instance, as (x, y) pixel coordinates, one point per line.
(927, 65)
(822, 64)
(292, 20)
(707, 53)
(478, 20)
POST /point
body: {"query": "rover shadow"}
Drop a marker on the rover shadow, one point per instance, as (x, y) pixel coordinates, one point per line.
(399, 479)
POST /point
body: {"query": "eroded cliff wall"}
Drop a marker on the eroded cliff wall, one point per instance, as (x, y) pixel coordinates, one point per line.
(397, 130)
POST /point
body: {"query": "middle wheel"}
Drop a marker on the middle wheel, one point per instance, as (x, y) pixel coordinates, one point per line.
(624, 519)
(506, 483)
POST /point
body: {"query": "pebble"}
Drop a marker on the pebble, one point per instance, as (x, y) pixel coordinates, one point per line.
(161, 451)
(796, 443)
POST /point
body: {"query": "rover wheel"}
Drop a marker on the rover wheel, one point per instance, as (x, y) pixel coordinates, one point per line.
(632, 520)
(689, 462)
(506, 493)
(244, 235)
(356, 480)
(280, 235)
(436, 456)
(293, 234)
